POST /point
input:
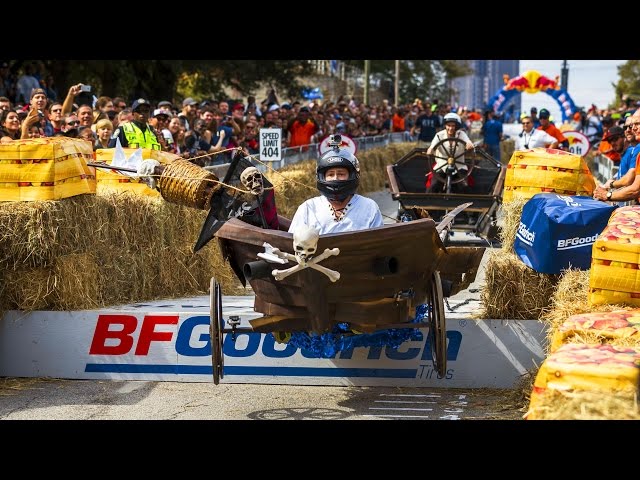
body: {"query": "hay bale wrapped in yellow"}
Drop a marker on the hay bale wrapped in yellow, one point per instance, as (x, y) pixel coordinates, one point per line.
(615, 260)
(615, 327)
(582, 367)
(48, 168)
(546, 170)
(109, 181)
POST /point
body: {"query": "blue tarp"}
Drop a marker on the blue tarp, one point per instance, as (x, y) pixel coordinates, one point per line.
(558, 231)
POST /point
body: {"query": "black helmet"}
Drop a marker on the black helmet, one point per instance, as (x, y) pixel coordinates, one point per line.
(338, 189)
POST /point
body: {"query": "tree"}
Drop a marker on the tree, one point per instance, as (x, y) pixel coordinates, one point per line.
(167, 79)
(418, 78)
(629, 80)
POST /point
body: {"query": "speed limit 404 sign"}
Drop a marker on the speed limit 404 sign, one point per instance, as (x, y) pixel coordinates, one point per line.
(578, 143)
(270, 144)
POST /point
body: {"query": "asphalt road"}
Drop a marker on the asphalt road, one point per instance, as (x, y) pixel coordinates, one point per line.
(57, 399)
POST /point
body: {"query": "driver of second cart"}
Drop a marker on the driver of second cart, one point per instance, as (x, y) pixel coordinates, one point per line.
(452, 130)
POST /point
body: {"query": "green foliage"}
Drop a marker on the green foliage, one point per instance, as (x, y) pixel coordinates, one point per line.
(175, 79)
(424, 79)
(629, 80)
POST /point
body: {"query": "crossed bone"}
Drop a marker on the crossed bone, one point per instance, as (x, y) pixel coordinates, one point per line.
(302, 264)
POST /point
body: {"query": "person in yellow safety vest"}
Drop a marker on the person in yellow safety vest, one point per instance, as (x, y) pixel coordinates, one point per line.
(137, 133)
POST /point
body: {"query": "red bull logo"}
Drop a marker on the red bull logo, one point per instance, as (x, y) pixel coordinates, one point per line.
(531, 82)
(545, 83)
(517, 83)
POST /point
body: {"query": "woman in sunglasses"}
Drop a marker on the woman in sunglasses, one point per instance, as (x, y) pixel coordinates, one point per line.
(533, 138)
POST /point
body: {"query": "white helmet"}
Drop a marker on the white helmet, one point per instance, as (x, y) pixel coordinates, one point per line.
(453, 117)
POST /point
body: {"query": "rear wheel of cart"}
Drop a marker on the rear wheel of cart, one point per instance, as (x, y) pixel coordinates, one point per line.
(216, 324)
(437, 325)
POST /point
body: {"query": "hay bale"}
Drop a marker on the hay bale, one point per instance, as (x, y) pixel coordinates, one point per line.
(512, 290)
(571, 298)
(509, 216)
(96, 251)
(585, 405)
(75, 286)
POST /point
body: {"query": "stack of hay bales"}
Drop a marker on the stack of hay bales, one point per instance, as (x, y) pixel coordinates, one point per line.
(93, 251)
(123, 244)
(512, 289)
(592, 370)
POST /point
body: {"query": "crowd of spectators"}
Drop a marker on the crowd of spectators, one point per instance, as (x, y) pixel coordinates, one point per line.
(31, 106)
(197, 128)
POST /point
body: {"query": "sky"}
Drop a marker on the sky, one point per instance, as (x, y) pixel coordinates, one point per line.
(589, 82)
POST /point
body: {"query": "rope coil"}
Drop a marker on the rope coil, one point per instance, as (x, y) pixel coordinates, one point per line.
(187, 184)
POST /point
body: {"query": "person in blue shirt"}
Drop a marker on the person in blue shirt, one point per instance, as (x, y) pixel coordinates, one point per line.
(628, 159)
(491, 134)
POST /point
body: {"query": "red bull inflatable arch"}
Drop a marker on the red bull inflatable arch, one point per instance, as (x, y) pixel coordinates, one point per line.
(533, 82)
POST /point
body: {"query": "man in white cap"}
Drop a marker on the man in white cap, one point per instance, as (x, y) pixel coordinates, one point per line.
(189, 112)
(160, 122)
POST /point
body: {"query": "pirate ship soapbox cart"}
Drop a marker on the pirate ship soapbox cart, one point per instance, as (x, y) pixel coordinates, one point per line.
(370, 280)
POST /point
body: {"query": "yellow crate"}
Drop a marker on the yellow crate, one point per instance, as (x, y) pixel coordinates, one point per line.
(615, 260)
(48, 168)
(546, 170)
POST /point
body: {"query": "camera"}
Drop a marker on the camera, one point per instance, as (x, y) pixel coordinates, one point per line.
(40, 114)
(85, 88)
(335, 140)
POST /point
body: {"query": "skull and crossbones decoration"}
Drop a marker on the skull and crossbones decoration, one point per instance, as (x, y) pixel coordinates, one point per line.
(305, 244)
(252, 179)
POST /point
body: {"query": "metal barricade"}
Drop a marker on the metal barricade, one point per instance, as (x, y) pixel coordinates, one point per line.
(291, 155)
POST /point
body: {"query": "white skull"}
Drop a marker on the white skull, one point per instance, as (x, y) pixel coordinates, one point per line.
(305, 243)
(251, 178)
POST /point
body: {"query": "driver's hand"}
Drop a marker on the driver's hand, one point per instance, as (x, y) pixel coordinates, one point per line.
(470, 146)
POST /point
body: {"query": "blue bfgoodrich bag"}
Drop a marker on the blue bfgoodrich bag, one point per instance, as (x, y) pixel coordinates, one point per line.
(558, 231)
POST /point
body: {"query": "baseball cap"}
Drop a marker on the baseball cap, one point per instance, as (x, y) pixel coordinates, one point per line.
(139, 102)
(37, 91)
(544, 113)
(615, 131)
(286, 106)
(304, 109)
(165, 103)
(534, 110)
(189, 101)
(273, 107)
(238, 106)
(159, 111)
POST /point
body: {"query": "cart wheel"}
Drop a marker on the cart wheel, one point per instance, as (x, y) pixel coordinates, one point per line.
(215, 330)
(437, 325)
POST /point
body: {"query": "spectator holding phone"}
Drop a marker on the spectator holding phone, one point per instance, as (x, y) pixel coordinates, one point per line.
(74, 91)
(38, 102)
